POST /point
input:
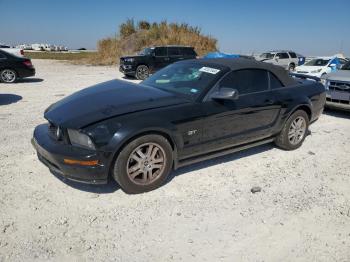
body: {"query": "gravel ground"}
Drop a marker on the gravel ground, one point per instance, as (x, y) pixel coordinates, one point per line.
(205, 213)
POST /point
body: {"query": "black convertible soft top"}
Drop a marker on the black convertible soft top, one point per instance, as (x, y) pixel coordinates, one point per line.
(244, 63)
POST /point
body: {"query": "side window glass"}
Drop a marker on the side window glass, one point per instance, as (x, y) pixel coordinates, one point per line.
(160, 51)
(274, 82)
(173, 51)
(247, 81)
(293, 55)
(282, 56)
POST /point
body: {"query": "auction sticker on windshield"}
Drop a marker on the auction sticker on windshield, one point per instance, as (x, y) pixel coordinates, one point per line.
(209, 70)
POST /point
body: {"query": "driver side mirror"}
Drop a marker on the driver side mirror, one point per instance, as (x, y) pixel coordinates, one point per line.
(225, 93)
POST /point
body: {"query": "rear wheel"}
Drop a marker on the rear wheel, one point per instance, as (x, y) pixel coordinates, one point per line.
(144, 164)
(291, 68)
(294, 131)
(142, 72)
(8, 76)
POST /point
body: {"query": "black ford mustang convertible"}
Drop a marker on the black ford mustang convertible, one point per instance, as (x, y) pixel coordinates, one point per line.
(187, 112)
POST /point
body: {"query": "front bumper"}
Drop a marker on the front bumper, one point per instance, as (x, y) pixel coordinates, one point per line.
(52, 154)
(338, 100)
(127, 69)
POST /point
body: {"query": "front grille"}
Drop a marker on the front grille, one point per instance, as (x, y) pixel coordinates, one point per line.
(339, 101)
(302, 72)
(339, 86)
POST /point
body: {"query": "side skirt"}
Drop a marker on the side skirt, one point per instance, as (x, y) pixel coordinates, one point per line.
(220, 153)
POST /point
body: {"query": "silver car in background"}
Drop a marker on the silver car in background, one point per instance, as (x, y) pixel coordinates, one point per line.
(287, 59)
(338, 88)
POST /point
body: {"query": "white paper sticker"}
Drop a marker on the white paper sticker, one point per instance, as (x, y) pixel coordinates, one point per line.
(209, 70)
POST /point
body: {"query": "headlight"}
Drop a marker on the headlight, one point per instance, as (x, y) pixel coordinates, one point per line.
(129, 60)
(326, 84)
(79, 139)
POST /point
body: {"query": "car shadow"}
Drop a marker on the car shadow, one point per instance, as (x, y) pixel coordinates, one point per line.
(220, 160)
(129, 77)
(337, 113)
(108, 188)
(30, 80)
(6, 99)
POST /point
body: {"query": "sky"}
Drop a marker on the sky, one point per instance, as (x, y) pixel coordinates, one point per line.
(247, 26)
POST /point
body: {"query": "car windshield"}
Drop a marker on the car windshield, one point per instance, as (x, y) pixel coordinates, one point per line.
(346, 66)
(187, 79)
(146, 51)
(267, 55)
(317, 62)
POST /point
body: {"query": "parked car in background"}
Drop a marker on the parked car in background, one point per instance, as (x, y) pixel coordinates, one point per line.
(286, 59)
(13, 67)
(187, 112)
(15, 51)
(38, 47)
(320, 66)
(151, 59)
(338, 88)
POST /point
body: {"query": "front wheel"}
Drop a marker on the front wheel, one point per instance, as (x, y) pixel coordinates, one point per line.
(142, 72)
(144, 164)
(294, 131)
(8, 76)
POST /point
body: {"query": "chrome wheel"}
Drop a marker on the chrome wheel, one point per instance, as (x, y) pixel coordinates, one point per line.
(146, 163)
(297, 130)
(8, 76)
(142, 72)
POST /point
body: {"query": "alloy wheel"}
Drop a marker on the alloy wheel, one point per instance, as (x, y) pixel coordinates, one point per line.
(8, 76)
(297, 130)
(146, 163)
(142, 72)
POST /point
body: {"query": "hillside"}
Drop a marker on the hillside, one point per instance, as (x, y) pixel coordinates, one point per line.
(133, 37)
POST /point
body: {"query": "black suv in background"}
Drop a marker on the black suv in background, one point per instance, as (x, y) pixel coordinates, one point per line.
(152, 59)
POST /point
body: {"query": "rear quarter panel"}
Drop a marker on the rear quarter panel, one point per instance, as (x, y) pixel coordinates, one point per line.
(307, 94)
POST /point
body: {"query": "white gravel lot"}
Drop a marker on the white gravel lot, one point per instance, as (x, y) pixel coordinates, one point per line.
(205, 213)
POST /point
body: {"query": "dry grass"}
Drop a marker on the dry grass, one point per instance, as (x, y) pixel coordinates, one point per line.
(132, 38)
(76, 57)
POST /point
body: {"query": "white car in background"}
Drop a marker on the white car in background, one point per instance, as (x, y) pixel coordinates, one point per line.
(15, 51)
(321, 66)
(285, 58)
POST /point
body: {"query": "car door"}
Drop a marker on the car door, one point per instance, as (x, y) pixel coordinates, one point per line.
(3, 60)
(283, 59)
(174, 54)
(161, 58)
(250, 117)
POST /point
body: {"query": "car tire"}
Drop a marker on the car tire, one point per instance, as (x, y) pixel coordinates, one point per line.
(294, 131)
(142, 72)
(143, 164)
(8, 76)
(291, 68)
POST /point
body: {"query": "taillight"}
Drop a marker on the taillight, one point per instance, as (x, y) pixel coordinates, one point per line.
(28, 63)
(22, 52)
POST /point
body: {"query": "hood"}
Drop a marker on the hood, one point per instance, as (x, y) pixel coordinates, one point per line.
(308, 68)
(340, 75)
(107, 100)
